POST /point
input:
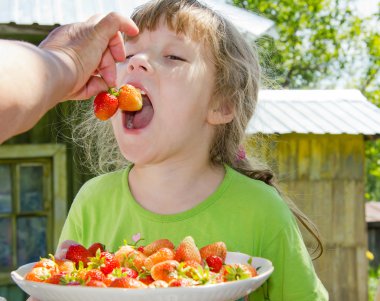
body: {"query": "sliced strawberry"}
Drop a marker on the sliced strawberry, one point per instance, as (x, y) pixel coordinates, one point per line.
(127, 282)
(238, 271)
(159, 256)
(38, 274)
(48, 264)
(166, 270)
(158, 284)
(96, 283)
(182, 282)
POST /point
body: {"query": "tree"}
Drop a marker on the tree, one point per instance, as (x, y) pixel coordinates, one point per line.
(324, 44)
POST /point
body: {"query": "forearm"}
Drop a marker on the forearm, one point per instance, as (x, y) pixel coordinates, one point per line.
(32, 82)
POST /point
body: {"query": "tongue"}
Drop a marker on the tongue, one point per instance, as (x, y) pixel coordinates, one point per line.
(143, 117)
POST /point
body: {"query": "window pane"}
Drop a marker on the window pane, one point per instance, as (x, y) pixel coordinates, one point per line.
(31, 188)
(5, 243)
(31, 239)
(5, 188)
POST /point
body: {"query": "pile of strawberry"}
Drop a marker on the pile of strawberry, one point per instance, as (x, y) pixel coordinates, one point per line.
(127, 98)
(158, 264)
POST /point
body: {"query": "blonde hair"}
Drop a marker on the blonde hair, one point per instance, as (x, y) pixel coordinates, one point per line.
(238, 77)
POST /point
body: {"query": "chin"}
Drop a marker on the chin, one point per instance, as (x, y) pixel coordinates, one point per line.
(136, 158)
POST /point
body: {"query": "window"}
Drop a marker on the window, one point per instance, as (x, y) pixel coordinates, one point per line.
(32, 203)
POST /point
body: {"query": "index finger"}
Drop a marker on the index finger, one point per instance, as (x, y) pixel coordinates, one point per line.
(114, 22)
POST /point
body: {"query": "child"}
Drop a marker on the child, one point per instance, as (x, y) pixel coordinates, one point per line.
(188, 175)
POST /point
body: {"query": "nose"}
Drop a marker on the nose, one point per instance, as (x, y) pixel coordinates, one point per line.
(139, 63)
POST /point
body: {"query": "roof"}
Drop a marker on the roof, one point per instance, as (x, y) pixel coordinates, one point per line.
(372, 212)
(314, 111)
(62, 12)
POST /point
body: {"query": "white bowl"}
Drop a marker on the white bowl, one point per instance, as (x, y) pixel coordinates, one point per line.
(214, 292)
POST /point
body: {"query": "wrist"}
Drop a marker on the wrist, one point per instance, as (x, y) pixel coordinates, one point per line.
(62, 74)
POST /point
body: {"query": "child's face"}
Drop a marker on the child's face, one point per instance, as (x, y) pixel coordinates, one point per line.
(178, 77)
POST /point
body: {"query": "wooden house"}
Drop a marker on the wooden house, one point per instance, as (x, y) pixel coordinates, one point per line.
(315, 142)
(372, 215)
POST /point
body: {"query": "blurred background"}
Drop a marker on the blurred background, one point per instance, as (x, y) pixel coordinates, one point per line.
(318, 120)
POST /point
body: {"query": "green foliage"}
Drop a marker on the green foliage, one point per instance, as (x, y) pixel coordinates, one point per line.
(373, 282)
(372, 154)
(314, 37)
(324, 44)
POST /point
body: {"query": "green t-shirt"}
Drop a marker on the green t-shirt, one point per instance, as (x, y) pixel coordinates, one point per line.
(248, 215)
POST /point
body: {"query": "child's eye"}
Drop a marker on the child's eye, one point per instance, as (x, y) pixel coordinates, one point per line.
(175, 58)
(128, 56)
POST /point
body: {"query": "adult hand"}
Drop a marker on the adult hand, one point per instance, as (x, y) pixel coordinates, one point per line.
(91, 50)
(75, 61)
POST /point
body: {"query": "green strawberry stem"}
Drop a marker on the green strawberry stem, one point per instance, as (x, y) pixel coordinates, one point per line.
(113, 91)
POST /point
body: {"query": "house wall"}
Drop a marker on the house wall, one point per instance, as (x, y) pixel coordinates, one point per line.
(324, 176)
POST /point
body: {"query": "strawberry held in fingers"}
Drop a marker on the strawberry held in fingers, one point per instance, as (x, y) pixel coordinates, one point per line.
(130, 98)
(106, 104)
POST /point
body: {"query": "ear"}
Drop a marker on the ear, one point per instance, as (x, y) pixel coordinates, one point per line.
(221, 115)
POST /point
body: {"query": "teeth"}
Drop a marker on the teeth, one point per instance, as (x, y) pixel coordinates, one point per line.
(142, 92)
(130, 123)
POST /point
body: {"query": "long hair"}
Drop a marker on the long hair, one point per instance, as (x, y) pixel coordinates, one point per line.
(238, 77)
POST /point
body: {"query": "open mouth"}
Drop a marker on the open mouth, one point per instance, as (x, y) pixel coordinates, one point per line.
(139, 119)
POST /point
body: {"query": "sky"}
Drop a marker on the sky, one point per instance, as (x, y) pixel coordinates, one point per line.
(367, 7)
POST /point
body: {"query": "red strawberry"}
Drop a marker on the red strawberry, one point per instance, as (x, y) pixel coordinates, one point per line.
(147, 279)
(129, 272)
(77, 253)
(105, 261)
(94, 274)
(95, 246)
(56, 278)
(215, 263)
(216, 249)
(141, 249)
(156, 245)
(105, 105)
(187, 250)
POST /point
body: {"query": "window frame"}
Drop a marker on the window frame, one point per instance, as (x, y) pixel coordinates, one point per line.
(56, 154)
